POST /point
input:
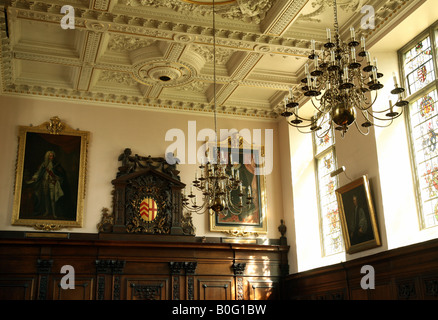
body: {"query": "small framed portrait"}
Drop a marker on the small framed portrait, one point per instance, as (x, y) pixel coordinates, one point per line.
(50, 176)
(245, 214)
(357, 215)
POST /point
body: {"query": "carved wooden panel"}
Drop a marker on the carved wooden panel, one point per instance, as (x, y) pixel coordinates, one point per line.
(213, 289)
(430, 285)
(12, 288)
(263, 290)
(147, 289)
(83, 290)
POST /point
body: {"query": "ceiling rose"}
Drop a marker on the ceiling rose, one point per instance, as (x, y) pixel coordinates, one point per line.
(164, 73)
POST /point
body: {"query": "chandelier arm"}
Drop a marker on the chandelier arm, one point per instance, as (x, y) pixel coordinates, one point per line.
(360, 131)
(197, 210)
(370, 104)
(324, 132)
(390, 119)
(299, 127)
(383, 119)
(305, 132)
(236, 207)
(317, 107)
(301, 118)
(383, 126)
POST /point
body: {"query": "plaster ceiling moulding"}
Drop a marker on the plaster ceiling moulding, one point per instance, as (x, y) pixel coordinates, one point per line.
(246, 11)
(210, 2)
(97, 26)
(321, 11)
(122, 43)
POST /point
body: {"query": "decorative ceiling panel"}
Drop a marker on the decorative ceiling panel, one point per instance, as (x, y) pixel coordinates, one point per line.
(160, 53)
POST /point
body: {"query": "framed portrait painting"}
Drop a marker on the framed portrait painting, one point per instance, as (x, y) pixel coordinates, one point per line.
(250, 219)
(50, 176)
(357, 215)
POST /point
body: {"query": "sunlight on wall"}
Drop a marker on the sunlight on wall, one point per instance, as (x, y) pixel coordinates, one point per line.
(308, 241)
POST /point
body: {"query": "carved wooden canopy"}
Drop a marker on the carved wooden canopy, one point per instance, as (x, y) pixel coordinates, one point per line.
(147, 198)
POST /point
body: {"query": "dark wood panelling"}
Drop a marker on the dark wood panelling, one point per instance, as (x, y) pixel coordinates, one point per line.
(111, 269)
(214, 289)
(408, 273)
(22, 288)
(147, 288)
(263, 290)
(83, 290)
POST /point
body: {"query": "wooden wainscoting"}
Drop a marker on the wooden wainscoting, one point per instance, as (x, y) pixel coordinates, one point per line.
(407, 273)
(30, 268)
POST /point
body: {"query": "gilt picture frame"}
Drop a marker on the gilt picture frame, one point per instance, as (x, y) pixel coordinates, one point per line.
(50, 177)
(244, 158)
(357, 215)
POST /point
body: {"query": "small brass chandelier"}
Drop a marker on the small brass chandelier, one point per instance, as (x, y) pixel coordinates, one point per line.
(221, 188)
(220, 184)
(340, 87)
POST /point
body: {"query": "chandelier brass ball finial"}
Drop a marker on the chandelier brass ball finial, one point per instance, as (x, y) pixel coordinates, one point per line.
(217, 205)
(343, 115)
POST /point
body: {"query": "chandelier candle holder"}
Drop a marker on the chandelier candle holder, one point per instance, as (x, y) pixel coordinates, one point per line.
(220, 185)
(341, 86)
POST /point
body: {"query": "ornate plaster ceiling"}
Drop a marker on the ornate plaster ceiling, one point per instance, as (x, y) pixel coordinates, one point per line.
(159, 53)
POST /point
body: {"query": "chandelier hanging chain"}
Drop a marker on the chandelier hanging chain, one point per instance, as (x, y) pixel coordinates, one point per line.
(214, 68)
(218, 187)
(335, 12)
(342, 87)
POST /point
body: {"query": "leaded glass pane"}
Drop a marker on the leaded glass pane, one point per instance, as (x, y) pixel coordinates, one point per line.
(324, 137)
(424, 126)
(418, 66)
(331, 227)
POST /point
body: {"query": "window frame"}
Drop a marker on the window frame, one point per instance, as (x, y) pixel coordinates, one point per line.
(316, 158)
(432, 33)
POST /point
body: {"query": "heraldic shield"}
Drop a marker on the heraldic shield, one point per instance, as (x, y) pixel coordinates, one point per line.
(148, 209)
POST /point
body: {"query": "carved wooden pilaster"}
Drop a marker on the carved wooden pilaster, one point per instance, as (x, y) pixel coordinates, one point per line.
(190, 269)
(43, 269)
(175, 273)
(239, 270)
(109, 271)
(119, 213)
(177, 217)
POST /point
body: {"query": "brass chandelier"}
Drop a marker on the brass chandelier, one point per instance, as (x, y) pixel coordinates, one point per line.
(221, 189)
(219, 182)
(340, 87)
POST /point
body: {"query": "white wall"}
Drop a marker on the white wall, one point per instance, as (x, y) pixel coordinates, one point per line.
(113, 129)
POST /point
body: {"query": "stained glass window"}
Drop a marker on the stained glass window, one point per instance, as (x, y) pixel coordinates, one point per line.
(324, 137)
(419, 66)
(424, 126)
(331, 234)
(420, 77)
